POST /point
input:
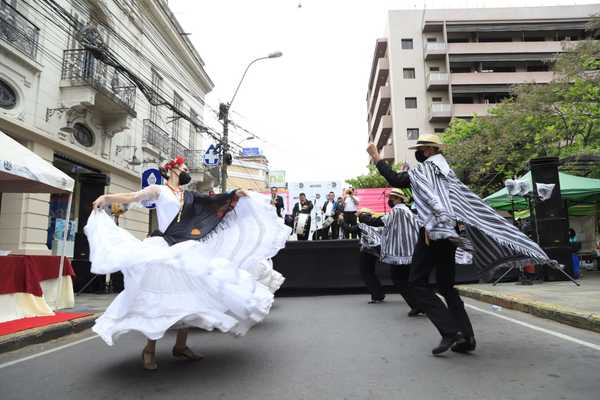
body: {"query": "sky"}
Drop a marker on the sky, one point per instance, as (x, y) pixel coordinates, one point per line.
(308, 107)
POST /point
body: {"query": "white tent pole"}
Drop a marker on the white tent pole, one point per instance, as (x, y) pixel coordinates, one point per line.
(64, 248)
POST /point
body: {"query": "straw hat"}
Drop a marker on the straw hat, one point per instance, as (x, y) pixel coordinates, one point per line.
(430, 140)
(399, 194)
(365, 211)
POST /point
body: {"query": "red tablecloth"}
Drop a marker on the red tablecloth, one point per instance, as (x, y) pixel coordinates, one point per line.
(23, 274)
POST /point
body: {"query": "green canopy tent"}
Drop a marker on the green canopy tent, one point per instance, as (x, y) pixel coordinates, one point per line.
(582, 195)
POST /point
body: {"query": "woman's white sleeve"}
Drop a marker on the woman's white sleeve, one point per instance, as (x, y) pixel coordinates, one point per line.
(149, 193)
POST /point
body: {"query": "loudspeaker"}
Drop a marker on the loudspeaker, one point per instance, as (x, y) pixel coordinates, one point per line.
(563, 256)
(545, 170)
(551, 215)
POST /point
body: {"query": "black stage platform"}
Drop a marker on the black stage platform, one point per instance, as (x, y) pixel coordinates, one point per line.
(333, 266)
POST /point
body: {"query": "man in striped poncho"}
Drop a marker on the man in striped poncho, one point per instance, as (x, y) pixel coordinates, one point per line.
(441, 201)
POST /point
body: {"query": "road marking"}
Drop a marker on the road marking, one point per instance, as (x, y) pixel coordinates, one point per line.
(43, 353)
(537, 328)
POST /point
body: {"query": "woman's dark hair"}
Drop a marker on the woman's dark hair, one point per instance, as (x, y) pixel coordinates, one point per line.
(164, 172)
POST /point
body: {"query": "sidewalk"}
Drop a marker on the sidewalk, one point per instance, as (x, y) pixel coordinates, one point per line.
(559, 301)
(92, 303)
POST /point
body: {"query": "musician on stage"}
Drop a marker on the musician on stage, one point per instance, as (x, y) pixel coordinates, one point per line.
(330, 214)
(303, 206)
(277, 202)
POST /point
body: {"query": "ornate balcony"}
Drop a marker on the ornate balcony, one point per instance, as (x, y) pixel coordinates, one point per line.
(157, 138)
(81, 69)
(18, 31)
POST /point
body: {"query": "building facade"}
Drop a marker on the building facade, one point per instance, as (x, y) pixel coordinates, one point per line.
(435, 65)
(88, 118)
(249, 172)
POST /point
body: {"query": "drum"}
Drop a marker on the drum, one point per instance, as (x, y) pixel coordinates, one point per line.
(327, 223)
(302, 224)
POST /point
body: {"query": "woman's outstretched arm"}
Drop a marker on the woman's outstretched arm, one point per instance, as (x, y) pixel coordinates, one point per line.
(149, 193)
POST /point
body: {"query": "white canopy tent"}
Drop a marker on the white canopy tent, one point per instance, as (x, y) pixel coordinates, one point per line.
(23, 171)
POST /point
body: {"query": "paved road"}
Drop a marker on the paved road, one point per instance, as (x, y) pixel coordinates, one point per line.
(331, 347)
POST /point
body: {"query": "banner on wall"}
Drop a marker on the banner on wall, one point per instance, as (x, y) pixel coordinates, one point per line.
(277, 179)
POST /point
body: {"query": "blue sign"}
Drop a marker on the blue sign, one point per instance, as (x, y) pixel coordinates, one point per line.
(211, 158)
(251, 152)
(151, 176)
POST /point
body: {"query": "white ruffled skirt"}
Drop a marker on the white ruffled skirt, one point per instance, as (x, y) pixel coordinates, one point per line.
(224, 282)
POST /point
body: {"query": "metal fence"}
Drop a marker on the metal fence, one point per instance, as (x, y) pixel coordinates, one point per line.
(18, 31)
(81, 65)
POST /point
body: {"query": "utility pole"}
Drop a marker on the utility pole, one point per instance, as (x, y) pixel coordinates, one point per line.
(224, 116)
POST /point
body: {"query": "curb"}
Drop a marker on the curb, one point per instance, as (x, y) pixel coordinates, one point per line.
(46, 333)
(553, 312)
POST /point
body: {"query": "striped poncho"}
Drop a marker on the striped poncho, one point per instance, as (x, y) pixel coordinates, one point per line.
(399, 236)
(370, 239)
(442, 200)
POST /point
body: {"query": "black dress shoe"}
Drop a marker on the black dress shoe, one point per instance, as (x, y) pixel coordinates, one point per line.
(465, 346)
(447, 343)
(414, 312)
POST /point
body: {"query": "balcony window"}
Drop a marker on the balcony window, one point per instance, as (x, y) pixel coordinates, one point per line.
(409, 73)
(156, 88)
(439, 130)
(17, 30)
(463, 100)
(410, 102)
(407, 44)
(412, 133)
(538, 68)
(434, 69)
(431, 39)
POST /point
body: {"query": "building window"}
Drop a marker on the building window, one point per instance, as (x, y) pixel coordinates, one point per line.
(412, 133)
(156, 89)
(177, 103)
(407, 44)
(193, 133)
(410, 102)
(436, 99)
(8, 96)
(434, 69)
(439, 130)
(409, 73)
(83, 135)
(431, 39)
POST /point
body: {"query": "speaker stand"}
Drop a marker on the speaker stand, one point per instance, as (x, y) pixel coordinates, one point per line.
(552, 265)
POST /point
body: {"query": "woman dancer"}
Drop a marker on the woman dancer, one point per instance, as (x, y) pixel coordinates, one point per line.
(195, 271)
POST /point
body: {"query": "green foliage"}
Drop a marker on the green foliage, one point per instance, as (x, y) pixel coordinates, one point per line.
(371, 180)
(560, 119)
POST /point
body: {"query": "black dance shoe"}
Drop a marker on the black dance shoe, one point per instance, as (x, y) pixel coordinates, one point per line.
(414, 312)
(465, 346)
(447, 343)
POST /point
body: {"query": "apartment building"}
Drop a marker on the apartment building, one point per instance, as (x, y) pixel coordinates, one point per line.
(435, 65)
(88, 118)
(249, 171)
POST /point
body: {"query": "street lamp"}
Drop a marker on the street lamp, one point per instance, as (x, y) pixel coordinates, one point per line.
(224, 116)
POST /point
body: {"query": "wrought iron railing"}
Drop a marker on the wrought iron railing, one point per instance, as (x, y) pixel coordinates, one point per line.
(81, 65)
(156, 137)
(18, 31)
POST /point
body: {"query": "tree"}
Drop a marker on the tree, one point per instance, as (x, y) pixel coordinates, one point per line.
(560, 119)
(371, 180)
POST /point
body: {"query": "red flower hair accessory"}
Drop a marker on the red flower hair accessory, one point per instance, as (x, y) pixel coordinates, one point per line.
(178, 161)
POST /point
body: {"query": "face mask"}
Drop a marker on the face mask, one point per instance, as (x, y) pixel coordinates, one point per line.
(420, 156)
(391, 204)
(184, 178)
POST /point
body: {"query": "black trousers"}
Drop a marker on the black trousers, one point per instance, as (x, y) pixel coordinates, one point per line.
(367, 271)
(400, 275)
(449, 318)
(350, 220)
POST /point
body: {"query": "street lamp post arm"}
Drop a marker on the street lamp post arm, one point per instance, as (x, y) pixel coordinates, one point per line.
(242, 80)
